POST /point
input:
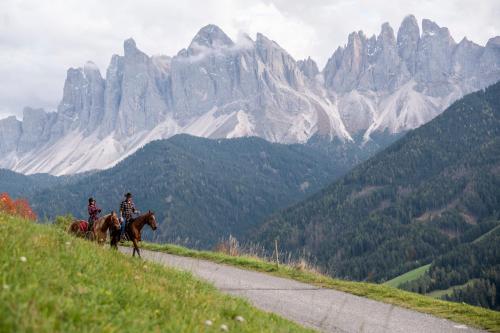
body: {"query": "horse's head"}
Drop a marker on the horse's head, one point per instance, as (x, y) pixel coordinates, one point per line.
(151, 220)
(115, 222)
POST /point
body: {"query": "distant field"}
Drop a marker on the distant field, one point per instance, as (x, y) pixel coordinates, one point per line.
(51, 282)
(449, 291)
(408, 276)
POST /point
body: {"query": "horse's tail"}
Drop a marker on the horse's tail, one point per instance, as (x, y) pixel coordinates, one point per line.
(76, 228)
(73, 227)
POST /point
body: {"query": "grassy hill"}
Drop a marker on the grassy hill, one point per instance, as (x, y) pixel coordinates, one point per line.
(65, 284)
(417, 200)
(51, 282)
(408, 276)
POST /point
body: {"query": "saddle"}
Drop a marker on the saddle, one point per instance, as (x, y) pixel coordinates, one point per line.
(83, 226)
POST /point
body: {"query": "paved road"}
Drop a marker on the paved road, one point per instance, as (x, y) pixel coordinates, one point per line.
(326, 310)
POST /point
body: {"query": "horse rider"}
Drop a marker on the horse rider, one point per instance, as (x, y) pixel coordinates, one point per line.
(93, 213)
(127, 210)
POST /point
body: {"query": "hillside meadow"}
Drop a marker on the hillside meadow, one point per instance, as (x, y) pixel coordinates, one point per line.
(52, 282)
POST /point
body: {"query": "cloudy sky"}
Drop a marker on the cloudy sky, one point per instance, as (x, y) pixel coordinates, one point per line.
(39, 40)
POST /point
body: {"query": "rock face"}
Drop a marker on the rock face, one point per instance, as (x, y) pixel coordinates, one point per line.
(141, 106)
(408, 40)
(10, 133)
(383, 83)
(218, 87)
(36, 127)
(309, 68)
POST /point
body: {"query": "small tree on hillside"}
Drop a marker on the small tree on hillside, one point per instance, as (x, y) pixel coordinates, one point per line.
(18, 207)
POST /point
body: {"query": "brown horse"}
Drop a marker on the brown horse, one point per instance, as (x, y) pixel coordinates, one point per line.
(102, 225)
(99, 230)
(134, 228)
(78, 228)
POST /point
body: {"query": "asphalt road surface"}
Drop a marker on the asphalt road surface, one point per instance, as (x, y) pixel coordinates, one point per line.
(323, 309)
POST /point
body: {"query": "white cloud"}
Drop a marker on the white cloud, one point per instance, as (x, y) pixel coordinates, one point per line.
(40, 40)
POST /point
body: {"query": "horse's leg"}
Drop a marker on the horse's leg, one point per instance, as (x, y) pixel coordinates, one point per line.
(136, 247)
(117, 236)
(101, 238)
(112, 240)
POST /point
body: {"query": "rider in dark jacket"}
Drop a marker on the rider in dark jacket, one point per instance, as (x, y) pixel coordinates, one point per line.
(127, 211)
(93, 212)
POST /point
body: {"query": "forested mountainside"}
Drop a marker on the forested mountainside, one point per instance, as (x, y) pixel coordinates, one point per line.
(19, 185)
(468, 273)
(409, 204)
(201, 189)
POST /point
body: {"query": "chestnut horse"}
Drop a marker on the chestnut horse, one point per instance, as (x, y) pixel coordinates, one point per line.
(133, 230)
(79, 228)
(102, 225)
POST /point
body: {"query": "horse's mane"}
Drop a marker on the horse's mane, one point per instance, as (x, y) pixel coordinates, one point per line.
(144, 216)
(100, 221)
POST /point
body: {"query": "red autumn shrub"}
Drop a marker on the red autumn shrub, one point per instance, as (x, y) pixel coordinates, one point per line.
(6, 204)
(19, 207)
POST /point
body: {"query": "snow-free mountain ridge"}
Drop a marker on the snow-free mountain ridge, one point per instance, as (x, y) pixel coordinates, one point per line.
(220, 88)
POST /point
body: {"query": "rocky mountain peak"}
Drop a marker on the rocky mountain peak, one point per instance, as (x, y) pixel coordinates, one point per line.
(466, 44)
(129, 46)
(10, 133)
(263, 42)
(90, 66)
(132, 54)
(355, 39)
(407, 42)
(308, 67)
(35, 127)
(465, 40)
(465, 59)
(429, 27)
(387, 33)
(434, 65)
(409, 23)
(220, 88)
(270, 50)
(490, 60)
(210, 36)
(91, 71)
(29, 112)
(493, 42)
(431, 30)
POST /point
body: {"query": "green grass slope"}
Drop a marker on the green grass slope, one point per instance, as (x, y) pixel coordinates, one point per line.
(458, 312)
(448, 292)
(69, 285)
(408, 276)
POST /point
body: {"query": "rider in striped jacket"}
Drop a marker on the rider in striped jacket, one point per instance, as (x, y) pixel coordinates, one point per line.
(127, 210)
